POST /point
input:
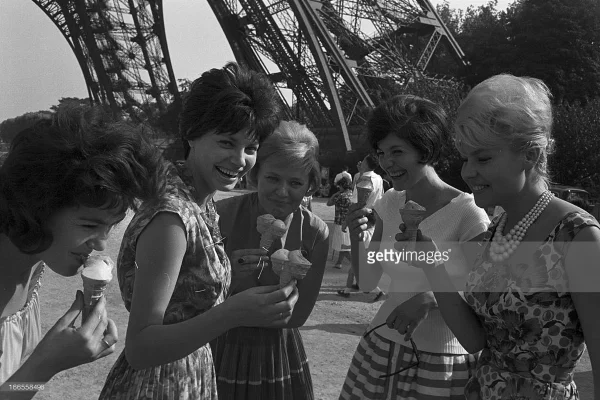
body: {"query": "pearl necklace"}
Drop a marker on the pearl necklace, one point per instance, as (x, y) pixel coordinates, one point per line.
(503, 246)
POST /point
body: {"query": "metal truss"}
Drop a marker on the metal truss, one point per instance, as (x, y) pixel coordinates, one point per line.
(122, 50)
(333, 53)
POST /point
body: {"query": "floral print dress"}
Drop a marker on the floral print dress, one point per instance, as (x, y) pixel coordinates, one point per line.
(203, 283)
(534, 336)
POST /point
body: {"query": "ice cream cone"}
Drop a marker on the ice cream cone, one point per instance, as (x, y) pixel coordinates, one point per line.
(364, 188)
(412, 214)
(96, 275)
(270, 229)
(289, 265)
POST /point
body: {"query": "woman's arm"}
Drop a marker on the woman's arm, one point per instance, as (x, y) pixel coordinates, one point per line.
(458, 315)
(582, 269)
(333, 199)
(308, 288)
(160, 251)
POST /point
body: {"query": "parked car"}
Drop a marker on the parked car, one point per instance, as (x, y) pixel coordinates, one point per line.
(578, 196)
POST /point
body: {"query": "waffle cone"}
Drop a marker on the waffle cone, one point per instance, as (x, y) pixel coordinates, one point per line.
(93, 290)
(412, 218)
(362, 195)
(266, 241)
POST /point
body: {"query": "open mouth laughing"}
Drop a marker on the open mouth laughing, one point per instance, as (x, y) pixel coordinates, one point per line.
(229, 174)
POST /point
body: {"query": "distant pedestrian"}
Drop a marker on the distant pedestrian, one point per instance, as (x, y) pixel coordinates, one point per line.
(340, 241)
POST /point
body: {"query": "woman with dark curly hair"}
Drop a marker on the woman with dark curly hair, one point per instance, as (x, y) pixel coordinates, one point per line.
(65, 183)
(173, 271)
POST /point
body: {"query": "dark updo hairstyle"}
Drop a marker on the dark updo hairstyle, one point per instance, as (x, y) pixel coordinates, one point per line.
(344, 183)
(79, 157)
(420, 122)
(229, 100)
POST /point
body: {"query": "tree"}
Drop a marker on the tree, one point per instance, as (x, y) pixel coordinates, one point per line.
(70, 101)
(558, 41)
(11, 127)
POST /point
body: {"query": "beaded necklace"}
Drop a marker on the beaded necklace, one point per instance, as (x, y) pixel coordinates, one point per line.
(502, 246)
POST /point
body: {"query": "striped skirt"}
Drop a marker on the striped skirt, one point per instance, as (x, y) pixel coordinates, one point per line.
(437, 377)
(260, 363)
(191, 378)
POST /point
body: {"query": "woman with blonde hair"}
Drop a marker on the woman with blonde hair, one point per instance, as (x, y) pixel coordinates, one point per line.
(531, 298)
(263, 363)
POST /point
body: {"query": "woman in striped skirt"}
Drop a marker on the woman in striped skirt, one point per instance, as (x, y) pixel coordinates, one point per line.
(408, 352)
(257, 363)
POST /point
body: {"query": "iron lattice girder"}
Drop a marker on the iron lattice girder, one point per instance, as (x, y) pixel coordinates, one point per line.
(122, 50)
(332, 52)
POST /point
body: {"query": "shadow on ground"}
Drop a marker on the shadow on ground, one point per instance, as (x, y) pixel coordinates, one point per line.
(346, 329)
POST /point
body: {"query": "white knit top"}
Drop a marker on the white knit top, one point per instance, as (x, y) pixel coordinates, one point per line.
(449, 227)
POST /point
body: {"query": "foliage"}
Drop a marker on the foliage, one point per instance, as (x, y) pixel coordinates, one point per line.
(576, 160)
(68, 102)
(554, 40)
(11, 127)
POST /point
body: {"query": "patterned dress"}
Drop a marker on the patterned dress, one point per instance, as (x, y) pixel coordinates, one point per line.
(340, 240)
(202, 283)
(263, 363)
(534, 336)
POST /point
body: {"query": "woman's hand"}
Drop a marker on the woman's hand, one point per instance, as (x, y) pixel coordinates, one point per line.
(246, 261)
(408, 316)
(422, 245)
(264, 306)
(359, 220)
(65, 346)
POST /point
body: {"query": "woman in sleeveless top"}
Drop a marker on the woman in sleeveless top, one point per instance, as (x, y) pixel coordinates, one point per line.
(173, 272)
(64, 184)
(531, 298)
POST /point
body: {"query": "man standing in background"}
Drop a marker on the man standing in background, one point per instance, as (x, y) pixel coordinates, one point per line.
(366, 169)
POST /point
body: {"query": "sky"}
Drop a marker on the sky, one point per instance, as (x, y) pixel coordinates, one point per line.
(37, 66)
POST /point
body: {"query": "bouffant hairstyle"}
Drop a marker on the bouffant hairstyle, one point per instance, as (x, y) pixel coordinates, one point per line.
(420, 122)
(80, 157)
(292, 144)
(508, 109)
(229, 100)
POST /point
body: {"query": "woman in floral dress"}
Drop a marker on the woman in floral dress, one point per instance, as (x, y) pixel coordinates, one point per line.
(173, 271)
(532, 296)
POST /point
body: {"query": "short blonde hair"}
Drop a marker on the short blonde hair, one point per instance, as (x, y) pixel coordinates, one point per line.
(291, 144)
(508, 109)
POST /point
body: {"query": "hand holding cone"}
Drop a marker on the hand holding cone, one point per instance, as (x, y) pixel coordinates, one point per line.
(412, 214)
(96, 275)
(289, 265)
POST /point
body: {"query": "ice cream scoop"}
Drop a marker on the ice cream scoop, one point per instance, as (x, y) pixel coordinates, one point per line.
(96, 275)
(289, 265)
(270, 229)
(412, 214)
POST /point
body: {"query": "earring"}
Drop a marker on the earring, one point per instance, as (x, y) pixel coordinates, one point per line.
(191, 144)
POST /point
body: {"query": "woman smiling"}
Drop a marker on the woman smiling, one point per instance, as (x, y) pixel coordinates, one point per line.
(258, 363)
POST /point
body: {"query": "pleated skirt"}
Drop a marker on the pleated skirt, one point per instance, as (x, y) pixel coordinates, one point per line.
(191, 378)
(262, 364)
(436, 377)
